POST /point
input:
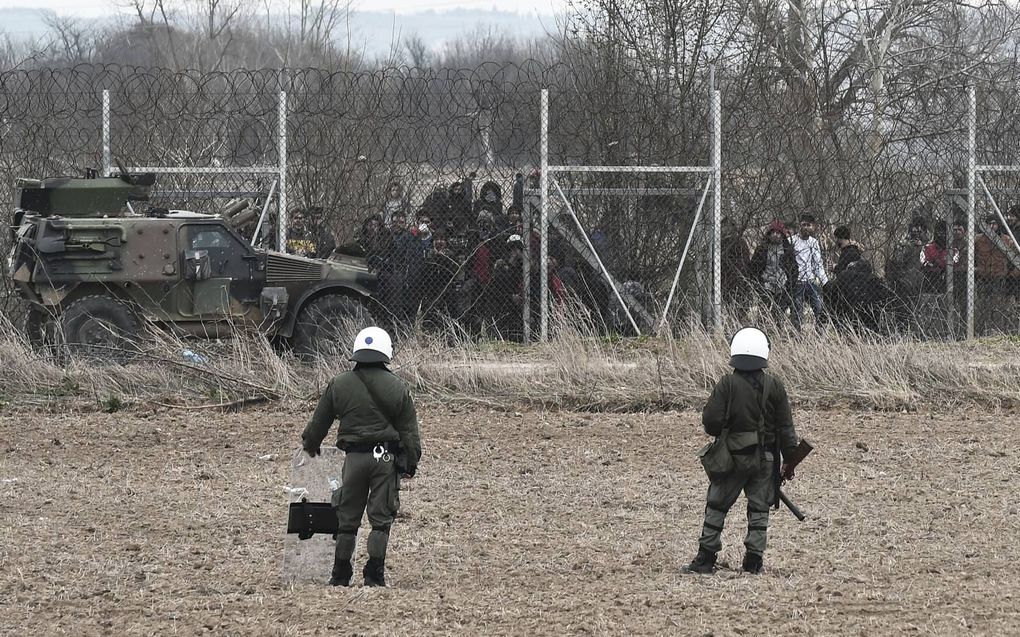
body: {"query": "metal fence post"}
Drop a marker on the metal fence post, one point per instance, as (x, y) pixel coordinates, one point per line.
(971, 172)
(527, 227)
(282, 196)
(107, 160)
(952, 310)
(716, 210)
(543, 266)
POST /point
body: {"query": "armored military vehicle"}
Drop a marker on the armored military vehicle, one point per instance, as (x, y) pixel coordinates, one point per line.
(94, 272)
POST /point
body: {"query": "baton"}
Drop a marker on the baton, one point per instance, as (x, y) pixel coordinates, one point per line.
(791, 506)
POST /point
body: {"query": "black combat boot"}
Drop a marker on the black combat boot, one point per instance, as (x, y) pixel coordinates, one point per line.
(752, 563)
(375, 572)
(703, 562)
(342, 573)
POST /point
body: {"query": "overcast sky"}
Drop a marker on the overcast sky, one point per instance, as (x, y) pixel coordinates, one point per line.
(94, 8)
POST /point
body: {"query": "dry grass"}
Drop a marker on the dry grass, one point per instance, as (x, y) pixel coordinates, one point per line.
(577, 369)
(165, 521)
(161, 522)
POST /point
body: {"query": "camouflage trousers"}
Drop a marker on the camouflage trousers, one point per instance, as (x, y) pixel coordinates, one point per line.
(722, 494)
(367, 484)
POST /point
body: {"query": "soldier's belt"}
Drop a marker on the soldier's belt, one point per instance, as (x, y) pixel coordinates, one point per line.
(746, 451)
(368, 447)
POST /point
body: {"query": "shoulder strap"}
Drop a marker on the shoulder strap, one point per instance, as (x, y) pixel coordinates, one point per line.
(766, 387)
(375, 398)
(763, 388)
(729, 401)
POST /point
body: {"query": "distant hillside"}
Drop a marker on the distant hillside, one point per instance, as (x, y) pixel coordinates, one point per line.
(374, 32)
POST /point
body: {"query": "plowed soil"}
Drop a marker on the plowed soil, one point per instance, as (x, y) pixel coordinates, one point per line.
(170, 522)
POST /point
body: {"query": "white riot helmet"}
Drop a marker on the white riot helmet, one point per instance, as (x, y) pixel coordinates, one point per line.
(372, 345)
(749, 350)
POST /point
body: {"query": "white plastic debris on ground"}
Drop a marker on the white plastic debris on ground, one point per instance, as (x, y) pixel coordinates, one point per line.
(310, 561)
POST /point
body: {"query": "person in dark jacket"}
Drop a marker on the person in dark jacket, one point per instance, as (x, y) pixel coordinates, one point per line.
(856, 297)
(440, 285)
(459, 201)
(371, 241)
(378, 433)
(506, 291)
(849, 250)
(773, 270)
(490, 199)
(903, 267)
(735, 261)
(405, 259)
(755, 410)
(518, 191)
(437, 207)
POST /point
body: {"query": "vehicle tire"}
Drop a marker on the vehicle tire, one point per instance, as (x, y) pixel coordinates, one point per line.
(327, 326)
(99, 328)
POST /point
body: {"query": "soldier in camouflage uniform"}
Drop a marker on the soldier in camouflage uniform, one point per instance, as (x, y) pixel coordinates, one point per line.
(378, 432)
(754, 407)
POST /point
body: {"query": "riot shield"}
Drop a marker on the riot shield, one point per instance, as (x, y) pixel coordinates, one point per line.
(313, 488)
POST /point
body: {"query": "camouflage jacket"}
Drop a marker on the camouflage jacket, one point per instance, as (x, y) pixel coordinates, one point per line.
(738, 391)
(362, 420)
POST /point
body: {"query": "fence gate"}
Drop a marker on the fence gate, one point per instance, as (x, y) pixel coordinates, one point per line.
(991, 303)
(620, 218)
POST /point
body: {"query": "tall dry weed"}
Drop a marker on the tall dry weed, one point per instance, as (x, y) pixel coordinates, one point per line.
(578, 368)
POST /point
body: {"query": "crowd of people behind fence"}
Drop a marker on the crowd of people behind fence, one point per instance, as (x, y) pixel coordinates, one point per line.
(923, 290)
(453, 256)
(460, 257)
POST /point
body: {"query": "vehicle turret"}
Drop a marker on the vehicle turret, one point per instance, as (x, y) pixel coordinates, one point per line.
(83, 197)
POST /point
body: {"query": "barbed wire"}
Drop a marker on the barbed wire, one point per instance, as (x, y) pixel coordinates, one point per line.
(448, 137)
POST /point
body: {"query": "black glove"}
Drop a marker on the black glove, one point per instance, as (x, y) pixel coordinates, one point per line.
(310, 450)
(400, 462)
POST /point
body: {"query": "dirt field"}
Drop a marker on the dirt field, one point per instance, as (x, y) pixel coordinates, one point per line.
(168, 522)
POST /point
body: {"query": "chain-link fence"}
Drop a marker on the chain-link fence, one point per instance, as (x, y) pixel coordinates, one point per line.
(433, 177)
(993, 185)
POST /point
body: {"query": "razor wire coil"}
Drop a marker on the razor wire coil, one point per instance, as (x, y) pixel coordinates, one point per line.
(350, 134)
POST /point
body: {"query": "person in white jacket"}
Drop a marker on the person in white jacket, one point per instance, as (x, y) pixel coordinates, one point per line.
(810, 273)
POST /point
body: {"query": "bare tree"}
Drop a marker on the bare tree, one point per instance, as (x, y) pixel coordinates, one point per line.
(843, 65)
(827, 81)
(319, 21)
(19, 53)
(218, 15)
(74, 41)
(418, 53)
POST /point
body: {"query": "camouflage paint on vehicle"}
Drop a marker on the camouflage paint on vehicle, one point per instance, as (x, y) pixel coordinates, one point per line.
(194, 273)
(71, 197)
